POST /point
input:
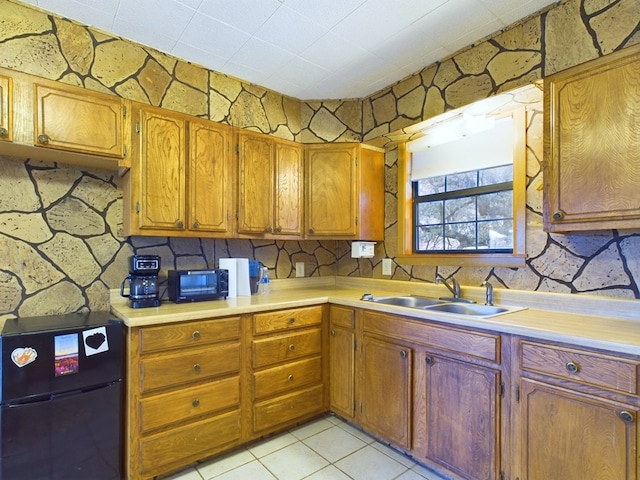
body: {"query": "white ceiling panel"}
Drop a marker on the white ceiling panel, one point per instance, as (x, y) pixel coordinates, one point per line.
(308, 49)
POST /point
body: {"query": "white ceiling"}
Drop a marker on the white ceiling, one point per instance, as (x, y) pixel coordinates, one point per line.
(307, 49)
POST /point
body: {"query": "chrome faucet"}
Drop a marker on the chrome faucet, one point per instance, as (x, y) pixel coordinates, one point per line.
(488, 293)
(455, 290)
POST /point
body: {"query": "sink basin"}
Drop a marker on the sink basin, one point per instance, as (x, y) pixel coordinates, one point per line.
(410, 301)
(475, 310)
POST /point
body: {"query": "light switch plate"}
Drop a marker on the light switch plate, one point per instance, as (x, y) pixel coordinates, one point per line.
(299, 269)
(386, 266)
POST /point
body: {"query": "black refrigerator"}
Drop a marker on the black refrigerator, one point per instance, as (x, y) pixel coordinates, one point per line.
(61, 414)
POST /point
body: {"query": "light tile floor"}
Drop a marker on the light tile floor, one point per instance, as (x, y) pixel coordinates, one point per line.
(324, 449)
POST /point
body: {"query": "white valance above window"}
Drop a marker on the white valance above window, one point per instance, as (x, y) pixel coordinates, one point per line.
(473, 151)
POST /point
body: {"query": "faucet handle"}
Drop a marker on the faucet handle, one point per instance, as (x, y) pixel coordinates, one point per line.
(488, 293)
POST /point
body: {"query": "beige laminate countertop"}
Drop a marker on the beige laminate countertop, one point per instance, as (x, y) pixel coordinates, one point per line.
(583, 321)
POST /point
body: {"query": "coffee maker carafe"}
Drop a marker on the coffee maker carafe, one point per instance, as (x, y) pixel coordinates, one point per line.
(143, 281)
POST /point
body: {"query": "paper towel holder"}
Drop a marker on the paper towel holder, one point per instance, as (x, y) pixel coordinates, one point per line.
(362, 249)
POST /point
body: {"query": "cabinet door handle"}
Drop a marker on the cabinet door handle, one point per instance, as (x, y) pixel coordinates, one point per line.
(278, 229)
(43, 138)
(559, 215)
(3, 132)
(196, 224)
(290, 378)
(429, 360)
(292, 320)
(312, 231)
(180, 224)
(195, 334)
(572, 367)
(625, 416)
(292, 347)
(269, 229)
(403, 354)
(333, 333)
(195, 403)
(196, 367)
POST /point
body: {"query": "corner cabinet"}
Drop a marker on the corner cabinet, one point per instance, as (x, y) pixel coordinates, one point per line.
(181, 181)
(270, 186)
(345, 192)
(592, 149)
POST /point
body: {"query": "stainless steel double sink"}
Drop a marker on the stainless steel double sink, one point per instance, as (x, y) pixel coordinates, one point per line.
(459, 307)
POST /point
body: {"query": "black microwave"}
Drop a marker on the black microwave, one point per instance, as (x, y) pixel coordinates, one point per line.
(198, 285)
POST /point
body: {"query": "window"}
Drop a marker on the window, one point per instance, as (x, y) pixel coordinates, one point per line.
(464, 202)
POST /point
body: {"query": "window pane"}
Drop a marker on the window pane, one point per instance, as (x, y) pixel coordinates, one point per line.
(460, 236)
(495, 205)
(491, 176)
(430, 238)
(429, 186)
(460, 209)
(430, 213)
(459, 181)
(496, 234)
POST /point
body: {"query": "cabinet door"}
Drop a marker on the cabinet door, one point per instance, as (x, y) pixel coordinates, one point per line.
(288, 188)
(591, 116)
(386, 379)
(80, 121)
(574, 437)
(5, 109)
(342, 370)
(161, 168)
(461, 417)
(255, 209)
(331, 190)
(209, 177)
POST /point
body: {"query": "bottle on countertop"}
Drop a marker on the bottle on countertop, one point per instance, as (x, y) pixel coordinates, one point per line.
(263, 284)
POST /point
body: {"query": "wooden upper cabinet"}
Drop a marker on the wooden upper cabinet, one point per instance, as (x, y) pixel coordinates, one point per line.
(79, 120)
(210, 177)
(270, 185)
(162, 170)
(255, 187)
(592, 146)
(6, 128)
(345, 192)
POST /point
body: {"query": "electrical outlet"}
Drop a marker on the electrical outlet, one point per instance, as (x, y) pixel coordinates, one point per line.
(386, 266)
(299, 269)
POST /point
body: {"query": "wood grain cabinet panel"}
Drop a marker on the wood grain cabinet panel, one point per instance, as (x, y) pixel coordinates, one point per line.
(6, 107)
(280, 348)
(342, 351)
(285, 409)
(189, 334)
(289, 376)
(286, 319)
(592, 149)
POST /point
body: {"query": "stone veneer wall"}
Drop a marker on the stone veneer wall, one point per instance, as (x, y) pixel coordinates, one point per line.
(59, 225)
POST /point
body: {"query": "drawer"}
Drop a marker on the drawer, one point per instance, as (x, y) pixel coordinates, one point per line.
(342, 317)
(286, 319)
(592, 368)
(271, 350)
(188, 334)
(166, 408)
(190, 365)
(287, 378)
(485, 346)
(180, 446)
(287, 408)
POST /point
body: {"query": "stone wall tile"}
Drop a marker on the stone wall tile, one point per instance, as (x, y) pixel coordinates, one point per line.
(247, 112)
(185, 99)
(226, 86)
(567, 39)
(605, 270)
(629, 248)
(219, 107)
(38, 55)
(30, 227)
(131, 90)
(70, 253)
(298, 114)
(10, 294)
(76, 45)
(75, 217)
(167, 61)
(326, 126)
(62, 298)
(528, 79)
(412, 103)
(98, 296)
(557, 264)
(274, 109)
(95, 192)
(614, 25)
(446, 74)
(384, 108)
(506, 66)
(34, 272)
(517, 279)
(18, 193)
(474, 60)
(350, 113)
(52, 184)
(406, 85)
(468, 90)
(103, 248)
(434, 104)
(114, 272)
(16, 19)
(193, 75)
(117, 60)
(525, 36)
(154, 80)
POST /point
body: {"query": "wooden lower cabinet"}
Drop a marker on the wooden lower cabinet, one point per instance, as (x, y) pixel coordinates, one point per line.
(342, 349)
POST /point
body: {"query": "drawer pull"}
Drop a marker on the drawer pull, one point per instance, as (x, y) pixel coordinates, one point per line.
(292, 347)
(196, 367)
(290, 378)
(195, 403)
(43, 138)
(3, 132)
(333, 333)
(196, 334)
(403, 354)
(429, 360)
(572, 367)
(625, 416)
(292, 320)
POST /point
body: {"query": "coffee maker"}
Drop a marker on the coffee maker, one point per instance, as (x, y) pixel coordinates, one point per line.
(143, 281)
